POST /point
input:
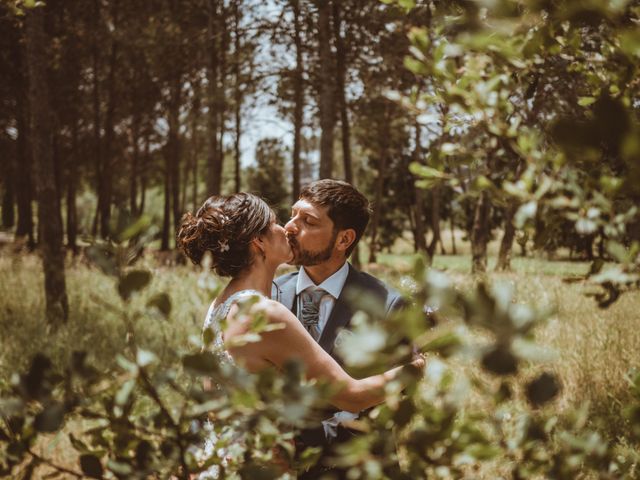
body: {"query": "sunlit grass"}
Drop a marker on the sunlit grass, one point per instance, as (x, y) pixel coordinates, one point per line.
(595, 348)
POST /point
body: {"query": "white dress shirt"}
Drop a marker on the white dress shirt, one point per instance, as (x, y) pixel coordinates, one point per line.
(332, 285)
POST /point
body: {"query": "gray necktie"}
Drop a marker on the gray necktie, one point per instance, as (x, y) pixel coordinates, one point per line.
(310, 313)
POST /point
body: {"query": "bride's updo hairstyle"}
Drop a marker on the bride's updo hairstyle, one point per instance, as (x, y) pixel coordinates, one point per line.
(225, 226)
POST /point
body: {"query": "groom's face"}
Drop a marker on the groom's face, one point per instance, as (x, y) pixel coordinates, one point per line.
(311, 234)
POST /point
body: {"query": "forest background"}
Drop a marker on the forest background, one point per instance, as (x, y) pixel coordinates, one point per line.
(472, 126)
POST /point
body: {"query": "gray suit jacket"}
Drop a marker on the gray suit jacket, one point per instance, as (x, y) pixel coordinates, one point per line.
(361, 292)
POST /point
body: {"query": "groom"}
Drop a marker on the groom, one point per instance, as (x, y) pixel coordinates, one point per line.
(326, 224)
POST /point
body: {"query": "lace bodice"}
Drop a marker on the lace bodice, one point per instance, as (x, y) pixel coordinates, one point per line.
(217, 313)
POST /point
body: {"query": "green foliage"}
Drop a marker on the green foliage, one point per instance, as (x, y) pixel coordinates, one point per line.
(535, 104)
(151, 418)
(267, 178)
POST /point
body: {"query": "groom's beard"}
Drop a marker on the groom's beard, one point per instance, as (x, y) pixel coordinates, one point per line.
(307, 258)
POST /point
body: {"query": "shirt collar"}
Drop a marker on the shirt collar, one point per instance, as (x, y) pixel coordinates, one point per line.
(332, 285)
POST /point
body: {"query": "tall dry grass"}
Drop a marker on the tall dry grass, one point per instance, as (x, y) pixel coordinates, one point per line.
(595, 349)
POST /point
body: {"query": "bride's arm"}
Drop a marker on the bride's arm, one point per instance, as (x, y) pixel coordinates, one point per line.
(293, 342)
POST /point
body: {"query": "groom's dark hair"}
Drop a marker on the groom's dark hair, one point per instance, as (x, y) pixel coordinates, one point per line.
(346, 206)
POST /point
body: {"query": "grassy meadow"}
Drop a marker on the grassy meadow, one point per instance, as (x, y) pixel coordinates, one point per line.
(594, 349)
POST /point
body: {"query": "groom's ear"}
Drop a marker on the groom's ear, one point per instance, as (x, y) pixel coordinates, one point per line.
(345, 239)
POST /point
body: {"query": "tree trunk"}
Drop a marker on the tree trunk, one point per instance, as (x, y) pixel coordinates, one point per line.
(341, 70)
(419, 232)
(298, 99)
(504, 257)
(237, 95)
(8, 198)
(382, 173)
(222, 88)
(195, 148)
(72, 182)
(23, 163)
(135, 163)
(452, 223)
(166, 217)
(49, 219)
(214, 163)
(174, 151)
(143, 170)
(97, 141)
(436, 193)
(326, 103)
(480, 234)
(106, 179)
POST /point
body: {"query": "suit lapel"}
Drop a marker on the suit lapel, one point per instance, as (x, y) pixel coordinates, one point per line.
(340, 315)
(288, 294)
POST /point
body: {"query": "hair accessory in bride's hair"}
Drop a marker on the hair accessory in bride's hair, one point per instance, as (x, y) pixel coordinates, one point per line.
(223, 245)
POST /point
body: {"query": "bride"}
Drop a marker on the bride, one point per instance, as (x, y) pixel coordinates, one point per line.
(247, 244)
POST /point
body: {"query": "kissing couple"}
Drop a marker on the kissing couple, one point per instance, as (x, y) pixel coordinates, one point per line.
(247, 244)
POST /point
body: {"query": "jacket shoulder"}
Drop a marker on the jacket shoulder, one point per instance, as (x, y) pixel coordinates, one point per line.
(282, 279)
(376, 287)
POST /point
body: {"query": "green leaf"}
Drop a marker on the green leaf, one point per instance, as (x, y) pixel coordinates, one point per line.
(136, 228)
(51, 418)
(586, 101)
(162, 302)
(132, 282)
(145, 358)
(123, 394)
(127, 364)
(91, 466)
(208, 336)
(543, 389)
(78, 444)
(618, 251)
(500, 361)
(585, 226)
(104, 257)
(423, 171)
(446, 344)
(203, 362)
(630, 42)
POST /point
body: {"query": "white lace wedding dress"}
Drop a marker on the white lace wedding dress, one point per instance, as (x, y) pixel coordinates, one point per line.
(213, 320)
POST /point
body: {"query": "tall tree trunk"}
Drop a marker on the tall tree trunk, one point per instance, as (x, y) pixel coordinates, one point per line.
(341, 71)
(480, 234)
(106, 179)
(454, 250)
(214, 162)
(23, 163)
(97, 140)
(143, 169)
(419, 233)
(436, 193)
(195, 143)
(222, 79)
(135, 163)
(377, 206)
(72, 181)
(326, 103)
(8, 198)
(504, 257)
(382, 173)
(49, 219)
(298, 100)
(174, 151)
(237, 94)
(166, 217)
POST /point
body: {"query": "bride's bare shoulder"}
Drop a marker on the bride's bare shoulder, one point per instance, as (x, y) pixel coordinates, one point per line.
(274, 310)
